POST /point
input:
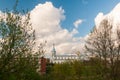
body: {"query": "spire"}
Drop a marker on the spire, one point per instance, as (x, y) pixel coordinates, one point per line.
(53, 50)
(53, 45)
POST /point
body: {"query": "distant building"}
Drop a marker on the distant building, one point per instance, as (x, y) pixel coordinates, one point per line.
(44, 64)
(62, 58)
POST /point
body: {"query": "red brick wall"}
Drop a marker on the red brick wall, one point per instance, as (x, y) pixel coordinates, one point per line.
(43, 62)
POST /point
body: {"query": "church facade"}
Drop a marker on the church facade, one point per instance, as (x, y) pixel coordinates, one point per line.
(62, 58)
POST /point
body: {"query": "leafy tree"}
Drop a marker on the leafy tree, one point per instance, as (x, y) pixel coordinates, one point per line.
(18, 61)
(102, 44)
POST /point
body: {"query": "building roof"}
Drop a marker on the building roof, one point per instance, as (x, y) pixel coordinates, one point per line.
(65, 55)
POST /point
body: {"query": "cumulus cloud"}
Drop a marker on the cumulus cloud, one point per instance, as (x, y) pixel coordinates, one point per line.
(77, 23)
(113, 17)
(46, 20)
(99, 18)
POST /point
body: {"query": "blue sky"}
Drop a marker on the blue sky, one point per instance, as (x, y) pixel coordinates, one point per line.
(86, 10)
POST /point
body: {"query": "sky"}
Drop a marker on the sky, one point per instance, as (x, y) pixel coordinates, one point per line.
(63, 22)
(85, 10)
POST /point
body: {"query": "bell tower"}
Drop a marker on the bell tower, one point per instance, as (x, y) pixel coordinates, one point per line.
(53, 51)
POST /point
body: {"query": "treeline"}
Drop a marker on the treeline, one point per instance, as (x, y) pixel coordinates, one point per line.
(74, 70)
(93, 69)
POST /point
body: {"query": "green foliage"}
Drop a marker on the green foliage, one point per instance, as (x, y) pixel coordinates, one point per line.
(17, 59)
(63, 71)
(75, 70)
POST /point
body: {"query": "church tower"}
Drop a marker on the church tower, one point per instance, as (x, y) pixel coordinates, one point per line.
(53, 51)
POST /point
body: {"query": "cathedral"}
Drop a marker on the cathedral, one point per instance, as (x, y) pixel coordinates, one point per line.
(62, 58)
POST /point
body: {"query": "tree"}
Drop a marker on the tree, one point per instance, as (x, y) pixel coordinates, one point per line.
(102, 43)
(63, 71)
(18, 61)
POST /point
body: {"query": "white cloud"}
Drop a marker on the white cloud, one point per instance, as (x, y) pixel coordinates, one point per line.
(99, 18)
(1, 14)
(74, 31)
(113, 17)
(46, 19)
(77, 23)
